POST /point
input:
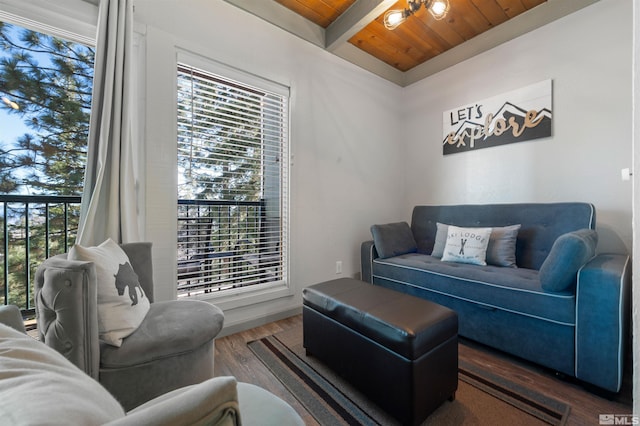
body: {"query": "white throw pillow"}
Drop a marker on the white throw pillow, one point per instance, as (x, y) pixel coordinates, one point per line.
(122, 304)
(466, 245)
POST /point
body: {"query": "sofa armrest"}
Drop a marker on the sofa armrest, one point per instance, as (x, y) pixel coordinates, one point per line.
(10, 315)
(368, 253)
(602, 320)
(212, 402)
(67, 310)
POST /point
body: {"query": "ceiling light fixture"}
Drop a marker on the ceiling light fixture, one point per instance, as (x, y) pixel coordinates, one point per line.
(437, 8)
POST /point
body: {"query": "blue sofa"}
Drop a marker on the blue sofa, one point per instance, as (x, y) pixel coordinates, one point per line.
(544, 295)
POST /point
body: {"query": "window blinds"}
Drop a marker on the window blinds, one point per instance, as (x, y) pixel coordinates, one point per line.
(232, 182)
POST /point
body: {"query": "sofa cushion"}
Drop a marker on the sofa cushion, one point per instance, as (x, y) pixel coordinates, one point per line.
(174, 328)
(502, 246)
(122, 304)
(466, 245)
(393, 239)
(568, 254)
(40, 386)
(515, 290)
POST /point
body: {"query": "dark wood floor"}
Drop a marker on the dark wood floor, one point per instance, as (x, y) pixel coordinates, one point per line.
(234, 358)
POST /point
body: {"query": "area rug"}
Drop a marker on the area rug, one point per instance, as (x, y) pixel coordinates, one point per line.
(482, 398)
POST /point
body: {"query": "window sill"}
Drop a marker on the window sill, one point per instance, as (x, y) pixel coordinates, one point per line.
(247, 296)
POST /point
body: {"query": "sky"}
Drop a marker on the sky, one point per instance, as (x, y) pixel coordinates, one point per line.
(11, 126)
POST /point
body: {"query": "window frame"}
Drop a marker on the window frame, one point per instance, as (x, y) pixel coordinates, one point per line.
(74, 20)
(249, 295)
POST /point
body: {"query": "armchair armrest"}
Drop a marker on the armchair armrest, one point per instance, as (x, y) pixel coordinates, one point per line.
(212, 402)
(602, 320)
(368, 253)
(66, 310)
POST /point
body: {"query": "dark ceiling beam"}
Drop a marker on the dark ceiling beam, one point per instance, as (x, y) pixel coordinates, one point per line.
(284, 18)
(358, 16)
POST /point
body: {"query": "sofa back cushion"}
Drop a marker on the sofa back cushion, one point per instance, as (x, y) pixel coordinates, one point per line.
(541, 224)
(40, 386)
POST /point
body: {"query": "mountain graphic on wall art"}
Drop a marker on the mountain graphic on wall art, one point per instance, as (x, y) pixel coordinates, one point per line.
(508, 124)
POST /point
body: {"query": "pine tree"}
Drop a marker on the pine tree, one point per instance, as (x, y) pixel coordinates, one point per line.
(46, 82)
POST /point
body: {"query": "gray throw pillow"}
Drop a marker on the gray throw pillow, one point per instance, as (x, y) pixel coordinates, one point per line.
(568, 254)
(441, 240)
(393, 239)
(502, 246)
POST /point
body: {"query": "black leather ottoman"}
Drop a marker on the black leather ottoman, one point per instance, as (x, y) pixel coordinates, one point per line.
(399, 350)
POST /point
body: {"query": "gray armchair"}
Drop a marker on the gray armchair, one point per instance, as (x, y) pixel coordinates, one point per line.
(172, 348)
(40, 386)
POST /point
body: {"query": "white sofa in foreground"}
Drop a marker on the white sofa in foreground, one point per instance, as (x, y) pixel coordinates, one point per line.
(40, 386)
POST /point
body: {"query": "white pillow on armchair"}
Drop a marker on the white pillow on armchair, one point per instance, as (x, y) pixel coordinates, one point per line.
(122, 304)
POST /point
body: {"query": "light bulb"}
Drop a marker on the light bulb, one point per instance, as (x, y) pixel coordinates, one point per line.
(439, 8)
(393, 18)
(10, 103)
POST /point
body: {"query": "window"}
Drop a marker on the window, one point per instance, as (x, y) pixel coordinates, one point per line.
(232, 181)
(45, 88)
(46, 77)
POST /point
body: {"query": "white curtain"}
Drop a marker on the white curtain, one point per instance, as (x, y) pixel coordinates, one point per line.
(109, 201)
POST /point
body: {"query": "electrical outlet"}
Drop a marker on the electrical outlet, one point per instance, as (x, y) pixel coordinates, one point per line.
(625, 174)
(339, 267)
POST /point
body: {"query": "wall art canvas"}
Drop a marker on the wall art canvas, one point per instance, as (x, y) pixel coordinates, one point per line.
(515, 116)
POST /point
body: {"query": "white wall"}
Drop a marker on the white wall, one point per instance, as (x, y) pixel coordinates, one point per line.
(588, 56)
(344, 122)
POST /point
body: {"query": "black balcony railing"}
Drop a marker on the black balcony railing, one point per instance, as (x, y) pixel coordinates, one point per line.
(33, 229)
(224, 244)
(221, 244)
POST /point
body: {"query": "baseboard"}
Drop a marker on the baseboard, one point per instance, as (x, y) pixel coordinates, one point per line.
(258, 321)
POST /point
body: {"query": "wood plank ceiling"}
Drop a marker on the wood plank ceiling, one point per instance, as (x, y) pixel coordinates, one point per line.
(420, 46)
(421, 37)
